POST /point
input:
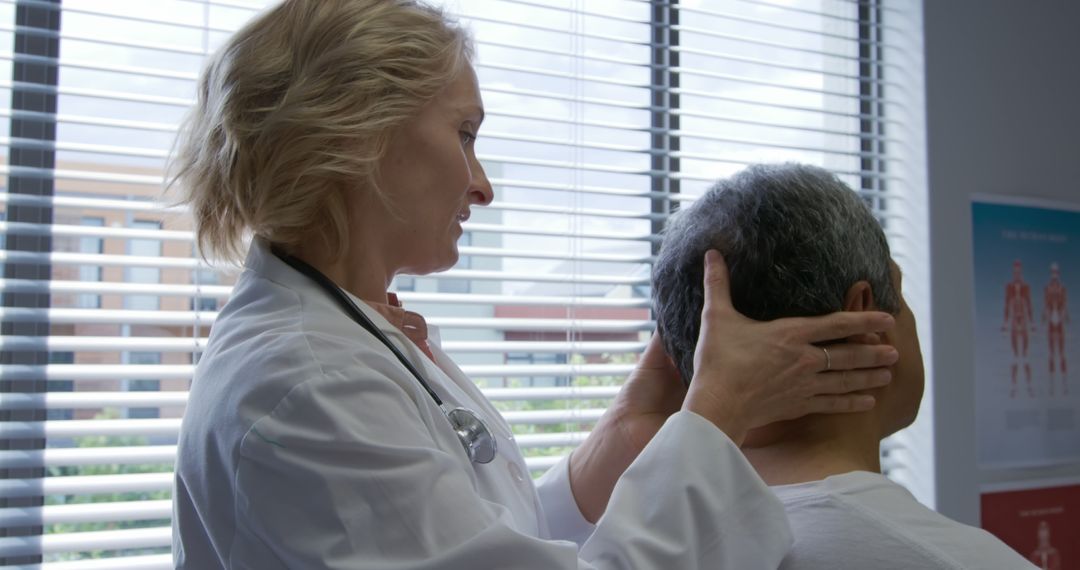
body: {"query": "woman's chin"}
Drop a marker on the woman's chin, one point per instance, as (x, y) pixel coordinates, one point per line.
(451, 259)
(434, 266)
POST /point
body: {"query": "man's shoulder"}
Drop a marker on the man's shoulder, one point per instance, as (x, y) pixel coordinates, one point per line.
(865, 520)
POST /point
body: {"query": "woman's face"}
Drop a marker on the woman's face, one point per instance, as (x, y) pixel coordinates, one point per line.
(432, 177)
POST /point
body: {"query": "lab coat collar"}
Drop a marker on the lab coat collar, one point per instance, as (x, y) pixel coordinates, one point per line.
(261, 261)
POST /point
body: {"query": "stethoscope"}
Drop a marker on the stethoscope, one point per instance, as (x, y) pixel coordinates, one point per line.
(476, 438)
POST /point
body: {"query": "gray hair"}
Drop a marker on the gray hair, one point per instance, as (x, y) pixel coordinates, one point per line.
(795, 239)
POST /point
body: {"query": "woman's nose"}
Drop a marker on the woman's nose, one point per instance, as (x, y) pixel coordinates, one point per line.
(481, 192)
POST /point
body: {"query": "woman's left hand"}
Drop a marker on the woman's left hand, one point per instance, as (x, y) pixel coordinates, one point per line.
(651, 393)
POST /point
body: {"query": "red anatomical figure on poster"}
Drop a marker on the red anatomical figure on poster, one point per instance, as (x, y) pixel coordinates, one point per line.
(1043, 525)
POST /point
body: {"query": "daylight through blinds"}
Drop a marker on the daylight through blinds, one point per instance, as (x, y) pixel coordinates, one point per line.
(602, 117)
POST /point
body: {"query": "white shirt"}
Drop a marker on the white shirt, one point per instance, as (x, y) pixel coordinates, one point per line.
(864, 520)
(307, 445)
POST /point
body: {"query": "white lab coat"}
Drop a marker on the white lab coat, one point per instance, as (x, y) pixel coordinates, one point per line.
(307, 445)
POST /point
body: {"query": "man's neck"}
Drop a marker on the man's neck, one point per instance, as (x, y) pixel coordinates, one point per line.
(813, 448)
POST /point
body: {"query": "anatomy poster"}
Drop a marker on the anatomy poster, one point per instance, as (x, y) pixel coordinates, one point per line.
(1042, 523)
(1027, 354)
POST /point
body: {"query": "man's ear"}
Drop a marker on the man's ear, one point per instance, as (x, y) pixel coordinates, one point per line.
(860, 297)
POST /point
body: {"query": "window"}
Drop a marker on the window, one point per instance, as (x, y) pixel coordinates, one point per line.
(404, 283)
(60, 385)
(90, 273)
(532, 358)
(458, 285)
(143, 359)
(143, 247)
(200, 277)
(603, 117)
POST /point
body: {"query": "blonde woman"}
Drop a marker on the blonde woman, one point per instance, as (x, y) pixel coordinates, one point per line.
(326, 429)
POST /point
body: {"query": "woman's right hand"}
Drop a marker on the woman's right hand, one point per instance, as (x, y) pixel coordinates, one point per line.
(749, 373)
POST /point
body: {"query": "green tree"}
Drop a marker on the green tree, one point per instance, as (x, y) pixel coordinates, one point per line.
(563, 404)
(107, 469)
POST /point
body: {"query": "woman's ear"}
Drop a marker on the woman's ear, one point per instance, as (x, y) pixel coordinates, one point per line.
(859, 297)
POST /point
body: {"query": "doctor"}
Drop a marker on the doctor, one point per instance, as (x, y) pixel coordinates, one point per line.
(326, 428)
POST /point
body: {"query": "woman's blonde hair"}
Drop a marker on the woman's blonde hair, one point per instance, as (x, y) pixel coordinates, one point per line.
(297, 108)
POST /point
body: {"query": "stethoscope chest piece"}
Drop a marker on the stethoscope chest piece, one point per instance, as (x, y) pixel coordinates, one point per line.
(476, 438)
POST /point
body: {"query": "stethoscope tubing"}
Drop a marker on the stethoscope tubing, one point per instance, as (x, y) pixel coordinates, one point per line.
(355, 314)
(479, 443)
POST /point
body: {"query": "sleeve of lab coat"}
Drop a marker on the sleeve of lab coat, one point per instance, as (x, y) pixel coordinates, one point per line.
(563, 517)
(690, 500)
(340, 475)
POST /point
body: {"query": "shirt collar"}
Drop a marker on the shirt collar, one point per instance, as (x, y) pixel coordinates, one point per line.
(411, 324)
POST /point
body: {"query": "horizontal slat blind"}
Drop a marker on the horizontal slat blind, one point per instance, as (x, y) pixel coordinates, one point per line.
(602, 117)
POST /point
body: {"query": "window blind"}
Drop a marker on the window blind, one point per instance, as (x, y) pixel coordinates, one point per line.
(603, 116)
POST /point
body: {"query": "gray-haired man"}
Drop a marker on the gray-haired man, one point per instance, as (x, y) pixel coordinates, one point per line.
(798, 242)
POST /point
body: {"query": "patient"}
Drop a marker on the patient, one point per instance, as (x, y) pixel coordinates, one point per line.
(798, 242)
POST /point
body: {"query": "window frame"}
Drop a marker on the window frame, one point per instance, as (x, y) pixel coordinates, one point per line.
(38, 35)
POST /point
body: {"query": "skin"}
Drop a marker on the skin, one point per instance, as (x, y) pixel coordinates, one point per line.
(1055, 302)
(747, 374)
(1018, 318)
(770, 370)
(434, 179)
(1018, 305)
(817, 446)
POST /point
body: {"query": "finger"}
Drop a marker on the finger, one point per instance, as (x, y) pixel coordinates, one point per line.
(717, 283)
(839, 404)
(844, 381)
(654, 356)
(849, 356)
(843, 325)
(865, 338)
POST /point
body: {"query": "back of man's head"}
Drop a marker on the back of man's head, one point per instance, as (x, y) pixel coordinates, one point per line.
(795, 239)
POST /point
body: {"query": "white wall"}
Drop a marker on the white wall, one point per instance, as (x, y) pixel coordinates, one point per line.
(1003, 117)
